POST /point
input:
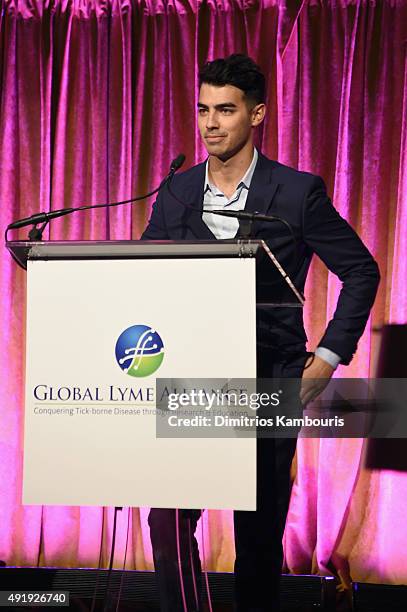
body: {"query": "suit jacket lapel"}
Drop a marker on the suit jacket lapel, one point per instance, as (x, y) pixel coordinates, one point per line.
(262, 189)
(194, 194)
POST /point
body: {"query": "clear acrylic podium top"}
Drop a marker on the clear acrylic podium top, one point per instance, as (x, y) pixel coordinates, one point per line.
(24, 251)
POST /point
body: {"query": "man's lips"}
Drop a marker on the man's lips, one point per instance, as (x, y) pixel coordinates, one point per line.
(214, 137)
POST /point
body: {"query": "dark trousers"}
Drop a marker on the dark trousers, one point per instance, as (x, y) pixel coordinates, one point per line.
(258, 534)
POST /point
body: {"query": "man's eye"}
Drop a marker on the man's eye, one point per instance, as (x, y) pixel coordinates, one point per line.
(202, 111)
(227, 111)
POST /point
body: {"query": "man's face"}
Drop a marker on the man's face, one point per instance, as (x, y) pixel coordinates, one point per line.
(226, 119)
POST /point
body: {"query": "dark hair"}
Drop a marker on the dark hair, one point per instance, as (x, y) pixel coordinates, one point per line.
(238, 70)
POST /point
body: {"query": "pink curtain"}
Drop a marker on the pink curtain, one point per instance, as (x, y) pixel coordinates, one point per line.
(97, 97)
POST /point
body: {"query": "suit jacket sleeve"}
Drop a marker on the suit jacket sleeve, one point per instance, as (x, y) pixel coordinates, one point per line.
(156, 228)
(342, 251)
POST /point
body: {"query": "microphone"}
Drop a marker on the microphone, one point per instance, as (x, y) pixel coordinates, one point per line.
(242, 215)
(177, 163)
(40, 218)
(245, 216)
(45, 217)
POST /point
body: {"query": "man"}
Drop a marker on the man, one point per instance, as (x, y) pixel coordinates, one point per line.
(235, 177)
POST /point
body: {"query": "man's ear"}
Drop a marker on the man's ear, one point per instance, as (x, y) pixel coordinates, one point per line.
(258, 114)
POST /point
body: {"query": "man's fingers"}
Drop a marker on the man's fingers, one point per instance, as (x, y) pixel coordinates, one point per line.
(306, 395)
(310, 390)
(307, 398)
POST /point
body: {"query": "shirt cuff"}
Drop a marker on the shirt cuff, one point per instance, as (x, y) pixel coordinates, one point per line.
(329, 356)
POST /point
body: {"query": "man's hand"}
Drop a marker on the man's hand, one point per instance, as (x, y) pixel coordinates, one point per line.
(315, 378)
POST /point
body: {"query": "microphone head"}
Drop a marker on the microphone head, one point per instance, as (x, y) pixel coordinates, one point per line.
(177, 162)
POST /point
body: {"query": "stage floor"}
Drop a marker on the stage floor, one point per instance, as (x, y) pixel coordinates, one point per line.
(136, 591)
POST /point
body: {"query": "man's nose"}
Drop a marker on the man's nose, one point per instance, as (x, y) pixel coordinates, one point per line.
(212, 120)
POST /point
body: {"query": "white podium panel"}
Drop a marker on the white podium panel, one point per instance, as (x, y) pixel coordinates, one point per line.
(90, 427)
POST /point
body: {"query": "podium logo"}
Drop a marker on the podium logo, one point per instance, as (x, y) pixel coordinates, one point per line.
(139, 351)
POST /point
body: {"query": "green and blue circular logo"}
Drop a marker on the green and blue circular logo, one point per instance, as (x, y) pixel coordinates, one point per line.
(139, 351)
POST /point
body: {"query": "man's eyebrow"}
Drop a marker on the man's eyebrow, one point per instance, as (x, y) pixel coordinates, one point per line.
(219, 106)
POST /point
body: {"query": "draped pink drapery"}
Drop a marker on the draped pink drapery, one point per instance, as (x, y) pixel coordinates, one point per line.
(97, 97)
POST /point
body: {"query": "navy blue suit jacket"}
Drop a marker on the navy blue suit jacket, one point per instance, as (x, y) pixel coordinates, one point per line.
(300, 198)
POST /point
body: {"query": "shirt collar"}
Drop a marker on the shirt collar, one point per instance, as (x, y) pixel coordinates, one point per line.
(246, 180)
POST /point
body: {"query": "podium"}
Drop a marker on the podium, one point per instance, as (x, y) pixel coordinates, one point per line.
(105, 320)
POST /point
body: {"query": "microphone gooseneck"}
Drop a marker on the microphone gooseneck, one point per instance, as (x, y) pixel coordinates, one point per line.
(45, 217)
(246, 218)
(242, 215)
